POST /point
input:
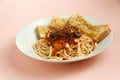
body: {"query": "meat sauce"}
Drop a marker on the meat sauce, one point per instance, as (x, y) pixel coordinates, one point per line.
(59, 37)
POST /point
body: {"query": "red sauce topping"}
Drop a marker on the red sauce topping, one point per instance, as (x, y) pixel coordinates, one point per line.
(59, 37)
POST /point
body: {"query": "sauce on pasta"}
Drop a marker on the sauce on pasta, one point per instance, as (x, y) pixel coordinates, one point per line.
(64, 44)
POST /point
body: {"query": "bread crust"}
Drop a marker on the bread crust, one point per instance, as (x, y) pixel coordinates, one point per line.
(104, 30)
(96, 32)
(41, 31)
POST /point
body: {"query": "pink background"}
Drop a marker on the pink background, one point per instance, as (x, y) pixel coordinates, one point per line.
(14, 14)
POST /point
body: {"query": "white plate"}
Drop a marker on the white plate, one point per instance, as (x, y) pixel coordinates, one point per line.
(27, 36)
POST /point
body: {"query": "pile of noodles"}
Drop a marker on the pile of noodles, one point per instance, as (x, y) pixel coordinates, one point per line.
(82, 46)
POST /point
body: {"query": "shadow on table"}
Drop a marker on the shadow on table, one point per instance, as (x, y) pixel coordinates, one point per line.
(30, 67)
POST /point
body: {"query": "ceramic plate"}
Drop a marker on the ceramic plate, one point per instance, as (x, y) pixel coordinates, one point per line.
(27, 36)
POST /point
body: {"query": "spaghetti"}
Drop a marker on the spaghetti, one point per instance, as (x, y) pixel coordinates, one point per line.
(81, 46)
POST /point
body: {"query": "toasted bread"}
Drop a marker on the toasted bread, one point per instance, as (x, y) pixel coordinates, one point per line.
(102, 32)
(75, 20)
(41, 31)
(58, 22)
(96, 32)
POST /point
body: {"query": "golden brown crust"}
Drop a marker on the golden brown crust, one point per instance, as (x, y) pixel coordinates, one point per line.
(41, 31)
(96, 32)
(58, 22)
(104, 30)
